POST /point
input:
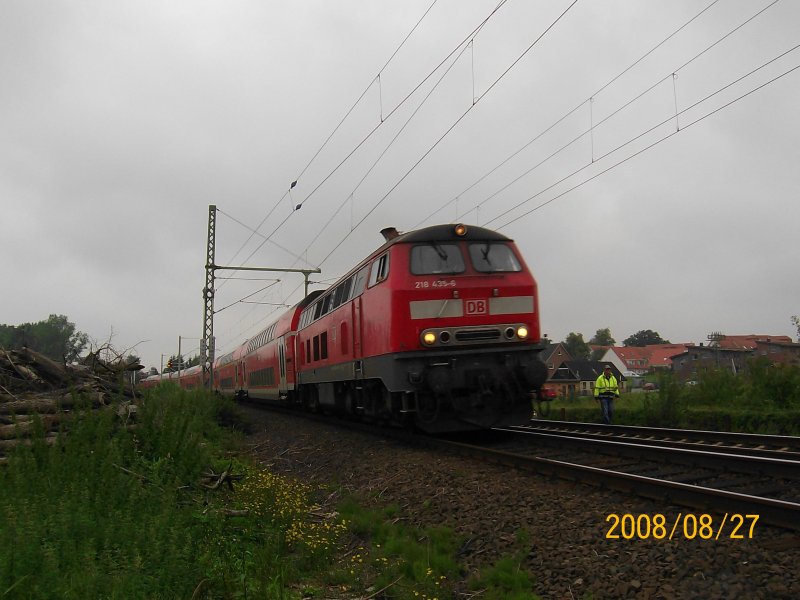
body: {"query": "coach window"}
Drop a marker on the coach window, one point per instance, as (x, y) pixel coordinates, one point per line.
(317, 309)
(323, 345)
(435, 259)
(326, 304)
(380, 270)
(491, 258)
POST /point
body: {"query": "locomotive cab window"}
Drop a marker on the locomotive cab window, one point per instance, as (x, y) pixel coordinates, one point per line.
(380, 270)
(492, 258)
(434, 259)
(360, 282)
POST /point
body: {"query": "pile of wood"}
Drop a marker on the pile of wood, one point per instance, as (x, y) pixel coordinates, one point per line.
(31, 384)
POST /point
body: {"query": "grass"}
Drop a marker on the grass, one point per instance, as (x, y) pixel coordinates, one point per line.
(114, 512)
(764, 399)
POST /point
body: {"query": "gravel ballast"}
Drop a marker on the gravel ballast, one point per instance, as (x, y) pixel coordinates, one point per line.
(568, 554)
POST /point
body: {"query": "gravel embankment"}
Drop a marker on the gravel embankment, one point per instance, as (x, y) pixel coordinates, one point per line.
(569, 555)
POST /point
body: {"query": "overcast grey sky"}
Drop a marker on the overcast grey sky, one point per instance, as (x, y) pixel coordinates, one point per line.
(120, 122)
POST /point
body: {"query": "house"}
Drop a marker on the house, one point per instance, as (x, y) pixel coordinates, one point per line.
(577, 377)
(778, 352)
(642, 360)
(553, 356)
(733, 353)
(661, 355)
(696, 359)
(745, 342)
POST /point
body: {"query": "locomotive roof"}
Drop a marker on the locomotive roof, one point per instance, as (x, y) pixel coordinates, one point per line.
(446, 233)
(434, 233)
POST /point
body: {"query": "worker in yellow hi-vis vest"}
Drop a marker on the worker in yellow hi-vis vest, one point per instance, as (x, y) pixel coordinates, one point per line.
(605, 390)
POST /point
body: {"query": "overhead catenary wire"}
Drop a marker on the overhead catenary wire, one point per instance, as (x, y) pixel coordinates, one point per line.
(567, 114)
(383, 120)
(449, 129)
(266, 287)
(385, 150)
(684, 126)
(255, 232)
(650, 146)
(404, 100)
(655, 143)
(670, 75)
(364, 93)
(288, 192)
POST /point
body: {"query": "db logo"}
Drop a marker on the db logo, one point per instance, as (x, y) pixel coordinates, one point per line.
(477, 307)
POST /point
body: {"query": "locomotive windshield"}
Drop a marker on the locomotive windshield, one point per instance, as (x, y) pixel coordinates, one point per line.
(433, 258)
(490, 258)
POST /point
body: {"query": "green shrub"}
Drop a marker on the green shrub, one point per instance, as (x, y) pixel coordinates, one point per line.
(666, 407)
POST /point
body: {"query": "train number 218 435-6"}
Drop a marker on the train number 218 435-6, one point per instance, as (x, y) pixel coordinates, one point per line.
(439, 283)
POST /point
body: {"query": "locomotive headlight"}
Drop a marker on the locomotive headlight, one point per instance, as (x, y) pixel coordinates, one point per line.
(429, 338)
(522, 332)
(460, 230)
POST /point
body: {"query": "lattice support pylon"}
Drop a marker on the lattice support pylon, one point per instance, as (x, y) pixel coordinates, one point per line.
(207, 339)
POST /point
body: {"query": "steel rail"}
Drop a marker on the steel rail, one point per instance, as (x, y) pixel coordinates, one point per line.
(729, 437)
(721, 461)
(775, 512)
(667, 443)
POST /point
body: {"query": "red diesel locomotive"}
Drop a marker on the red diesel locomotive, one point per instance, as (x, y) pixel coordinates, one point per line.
(438, 329)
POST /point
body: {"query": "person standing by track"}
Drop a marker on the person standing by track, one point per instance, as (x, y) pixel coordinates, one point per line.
(606, 389)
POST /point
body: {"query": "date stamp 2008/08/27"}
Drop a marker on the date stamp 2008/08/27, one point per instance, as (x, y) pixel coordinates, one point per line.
(688, 526)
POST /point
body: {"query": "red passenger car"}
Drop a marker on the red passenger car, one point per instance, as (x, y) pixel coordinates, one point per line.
(264, 367)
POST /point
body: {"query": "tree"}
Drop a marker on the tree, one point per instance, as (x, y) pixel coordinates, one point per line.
(645, 337)
(178, 363)
(603, 337)
(174, 363)
(575, 345)
(56, 338)
(796, 323)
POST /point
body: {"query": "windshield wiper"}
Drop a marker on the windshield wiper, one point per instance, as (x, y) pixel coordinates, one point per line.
(440, 251)
(485, 253)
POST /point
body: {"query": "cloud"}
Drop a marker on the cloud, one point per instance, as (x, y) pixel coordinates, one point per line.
(121, 122)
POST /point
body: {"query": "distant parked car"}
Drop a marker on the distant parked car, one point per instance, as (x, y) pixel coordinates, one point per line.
(547, 393)
(649, 386)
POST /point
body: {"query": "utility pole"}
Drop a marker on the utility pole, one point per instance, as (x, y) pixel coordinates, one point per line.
(207, 341)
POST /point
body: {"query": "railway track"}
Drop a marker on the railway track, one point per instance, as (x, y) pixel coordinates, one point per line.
(732, 441)
(703, 470)
(720, 478)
